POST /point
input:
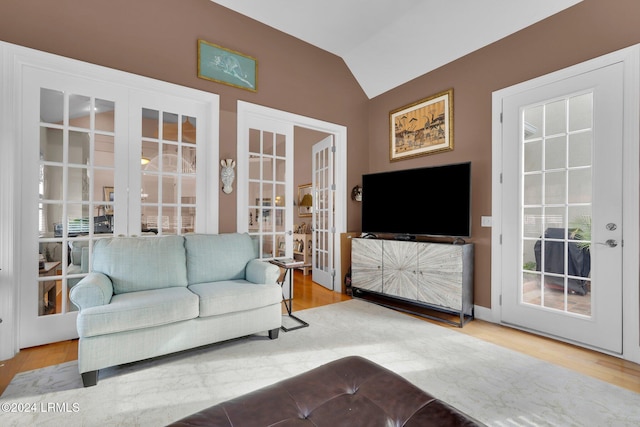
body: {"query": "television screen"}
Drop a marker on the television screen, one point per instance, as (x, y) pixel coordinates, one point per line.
(432, 201)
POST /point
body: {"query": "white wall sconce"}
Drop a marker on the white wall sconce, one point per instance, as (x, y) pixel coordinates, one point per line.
(227, 174)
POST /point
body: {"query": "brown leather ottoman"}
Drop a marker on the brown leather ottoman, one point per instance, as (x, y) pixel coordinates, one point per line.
(352, 391)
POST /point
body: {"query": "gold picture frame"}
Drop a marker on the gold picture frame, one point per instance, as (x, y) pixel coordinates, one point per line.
(226, 66)
(108, 197)
(423, 127)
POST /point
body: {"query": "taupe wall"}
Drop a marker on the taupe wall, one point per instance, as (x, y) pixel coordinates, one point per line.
(587, 30)
(157, 38)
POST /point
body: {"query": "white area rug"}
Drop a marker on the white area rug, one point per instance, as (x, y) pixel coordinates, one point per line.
(499, 387)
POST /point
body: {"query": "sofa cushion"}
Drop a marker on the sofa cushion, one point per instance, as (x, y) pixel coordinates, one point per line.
(77, 248)
(138, 310)
(213, 257)
(141, 263)
(229, 296)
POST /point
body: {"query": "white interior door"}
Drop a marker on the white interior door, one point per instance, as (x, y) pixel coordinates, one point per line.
(73, 129)
(562, 208)
(323, 213)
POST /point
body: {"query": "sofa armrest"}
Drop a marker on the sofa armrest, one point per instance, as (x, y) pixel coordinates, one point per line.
(262, 272)
(93, 290)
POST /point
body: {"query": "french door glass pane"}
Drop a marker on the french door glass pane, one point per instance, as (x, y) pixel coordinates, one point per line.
(556, 209)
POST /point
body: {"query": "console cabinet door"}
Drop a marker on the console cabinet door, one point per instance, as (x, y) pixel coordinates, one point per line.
(366, 264)
(440, 275)
(400, 266)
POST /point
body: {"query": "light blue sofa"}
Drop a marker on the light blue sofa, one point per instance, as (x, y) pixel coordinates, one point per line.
(150, 296)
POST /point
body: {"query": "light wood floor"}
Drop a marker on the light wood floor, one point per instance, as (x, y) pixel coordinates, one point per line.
(307, 295)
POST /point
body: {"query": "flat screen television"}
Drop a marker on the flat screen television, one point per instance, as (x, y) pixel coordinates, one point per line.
(429, 201)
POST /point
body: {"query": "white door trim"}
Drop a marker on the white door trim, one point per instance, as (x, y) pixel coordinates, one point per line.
(339, 132)
(13, 59)
(630, 57)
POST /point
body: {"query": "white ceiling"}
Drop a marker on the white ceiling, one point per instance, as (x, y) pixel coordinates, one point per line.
(386, 43)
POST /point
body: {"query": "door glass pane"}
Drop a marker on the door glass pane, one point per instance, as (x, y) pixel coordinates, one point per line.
(580, 149)
(80, 111)
(104, 115)
(170, 127)
(533, 156)
(268, 143)
(51, 145)
(189, 130)
(267, 169)
(104, 149)
(51, 106)
(78, 184)
(555, 153)
(170, 220)
(532, 128)
(555, 188)
(533, 189)
(556, 210)
(280, 207)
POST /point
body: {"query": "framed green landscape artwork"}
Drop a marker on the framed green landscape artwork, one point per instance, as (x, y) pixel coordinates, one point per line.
(226, 66)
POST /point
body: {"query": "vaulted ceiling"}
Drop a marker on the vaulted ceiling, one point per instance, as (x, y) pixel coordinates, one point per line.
(386, 43)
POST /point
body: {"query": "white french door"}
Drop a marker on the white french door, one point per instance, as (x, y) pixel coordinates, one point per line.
(71, 128)
(167, 137)
(323, 213)
(101, 159)
(562, 151)
(257, 124)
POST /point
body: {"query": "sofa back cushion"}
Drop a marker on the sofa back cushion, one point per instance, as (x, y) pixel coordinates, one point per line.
(215, 257)
(141, 263)
(77, 248)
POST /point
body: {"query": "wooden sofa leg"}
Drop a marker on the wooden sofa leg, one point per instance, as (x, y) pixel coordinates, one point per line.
(273, 333)
(90, 378)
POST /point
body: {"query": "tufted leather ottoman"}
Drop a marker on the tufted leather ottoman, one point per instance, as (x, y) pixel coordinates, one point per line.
(352, 391)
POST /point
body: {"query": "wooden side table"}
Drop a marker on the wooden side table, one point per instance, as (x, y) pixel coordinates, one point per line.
(47, 289)
(289, 265)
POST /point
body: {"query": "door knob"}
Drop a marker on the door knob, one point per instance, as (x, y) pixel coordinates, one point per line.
(610, 242)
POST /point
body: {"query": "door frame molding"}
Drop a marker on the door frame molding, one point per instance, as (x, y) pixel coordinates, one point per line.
(13, 59)
(339, 132)
(630, 57)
